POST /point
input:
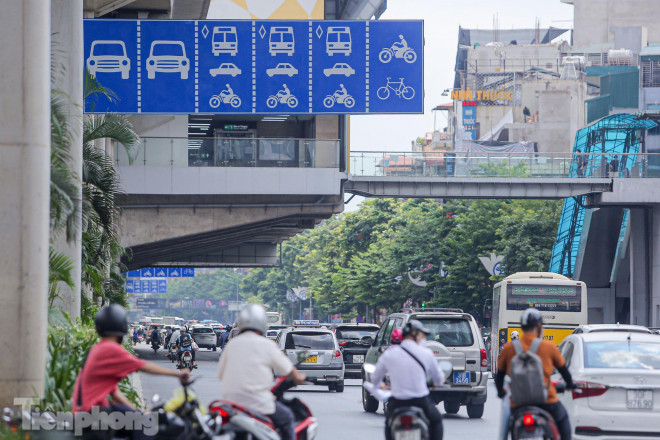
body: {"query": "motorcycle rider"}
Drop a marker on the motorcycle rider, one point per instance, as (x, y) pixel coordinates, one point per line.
(228, 92)
(107, 363)
(184, 343)
(407, 366)
(397, 336)
(531, 322)
(155, 336)
(168, 336)
(401, 45)
(284, 93)
(135, 336)
(246, 378)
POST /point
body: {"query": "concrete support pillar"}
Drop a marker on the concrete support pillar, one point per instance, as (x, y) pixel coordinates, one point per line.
(639, 266)
(24, 195)
(655, 267)
(67, 29)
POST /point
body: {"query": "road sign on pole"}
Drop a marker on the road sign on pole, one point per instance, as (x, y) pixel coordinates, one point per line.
(260, 66)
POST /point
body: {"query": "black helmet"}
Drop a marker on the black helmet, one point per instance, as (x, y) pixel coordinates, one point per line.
(530, 319)
(413, 326)
(111, 320)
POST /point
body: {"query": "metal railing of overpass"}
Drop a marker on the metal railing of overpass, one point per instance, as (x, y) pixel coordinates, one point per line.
(511, 165)
(231, 152)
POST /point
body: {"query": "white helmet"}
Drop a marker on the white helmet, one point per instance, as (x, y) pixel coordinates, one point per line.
(253, 317)
(515, 335)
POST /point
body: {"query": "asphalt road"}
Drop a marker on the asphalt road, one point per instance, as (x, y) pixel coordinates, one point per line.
(340, 415)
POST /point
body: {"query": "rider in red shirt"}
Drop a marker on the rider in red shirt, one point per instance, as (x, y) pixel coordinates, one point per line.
(108, 363)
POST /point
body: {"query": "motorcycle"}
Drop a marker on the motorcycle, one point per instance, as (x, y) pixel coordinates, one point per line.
(340, 98)
(408, 422)
(533, 423)
(155, 345)
(171, 354)
(186, 360)
(282, 98)
(396, 51)
(225, 97)
(180, 418)
(242, 423)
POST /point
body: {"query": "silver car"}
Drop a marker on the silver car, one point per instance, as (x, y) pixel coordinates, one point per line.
(204, 337)
(315, 353)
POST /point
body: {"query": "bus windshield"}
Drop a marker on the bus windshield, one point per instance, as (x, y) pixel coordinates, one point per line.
(558, 298)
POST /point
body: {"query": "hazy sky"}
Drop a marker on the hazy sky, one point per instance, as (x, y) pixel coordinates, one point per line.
(441, 21)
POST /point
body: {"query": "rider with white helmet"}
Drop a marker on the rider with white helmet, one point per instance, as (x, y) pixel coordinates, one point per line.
(246, 369)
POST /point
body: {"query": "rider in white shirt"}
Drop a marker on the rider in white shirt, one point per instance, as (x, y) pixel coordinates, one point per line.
(407, 366)
(246, 370)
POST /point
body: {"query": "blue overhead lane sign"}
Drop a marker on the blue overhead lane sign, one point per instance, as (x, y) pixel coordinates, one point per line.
(261, 66)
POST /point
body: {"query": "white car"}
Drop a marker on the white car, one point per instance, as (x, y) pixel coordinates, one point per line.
(108, 56)
(167, 57)
(339, 69)
(282, 69)
(611, 328)
(226, 69)
(618, 379)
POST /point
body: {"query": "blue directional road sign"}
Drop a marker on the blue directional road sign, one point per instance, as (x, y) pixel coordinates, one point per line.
(137, 286)
(162, 286)
(188, 272)
(261, 66)
(153, 286)
(147, 272)
(174, 272)
(133, 274)
(160, 272)
(129, 286)
(145, 286)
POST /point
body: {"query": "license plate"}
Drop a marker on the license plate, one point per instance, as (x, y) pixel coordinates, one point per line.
(640, 399)
(311, 360)
(358, 358)
(413, 434)
(462, 378)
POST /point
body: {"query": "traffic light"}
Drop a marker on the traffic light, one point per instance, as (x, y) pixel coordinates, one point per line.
(423, 306)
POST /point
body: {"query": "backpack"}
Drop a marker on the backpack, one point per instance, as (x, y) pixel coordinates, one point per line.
(528, 385)
(185, 340)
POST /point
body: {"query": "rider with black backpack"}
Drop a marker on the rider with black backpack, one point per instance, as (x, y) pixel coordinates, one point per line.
(185, 344)
(529, 362)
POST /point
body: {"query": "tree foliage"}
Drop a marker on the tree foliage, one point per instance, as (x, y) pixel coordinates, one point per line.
(359, 262)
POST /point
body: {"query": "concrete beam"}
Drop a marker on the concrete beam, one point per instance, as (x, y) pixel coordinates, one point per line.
(24, 195)
(67, 29)
(639, 267)
(655, 267)
(628, 192)
(474, 188)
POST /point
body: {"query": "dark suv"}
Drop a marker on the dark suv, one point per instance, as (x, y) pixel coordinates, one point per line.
(354, 342)
(454, 337)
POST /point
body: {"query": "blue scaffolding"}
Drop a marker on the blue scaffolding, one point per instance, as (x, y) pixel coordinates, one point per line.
(616, 134)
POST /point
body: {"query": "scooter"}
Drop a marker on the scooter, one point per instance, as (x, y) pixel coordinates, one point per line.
(186, 360)
(396, 51)
(405, 423)
(239, 422)
(533, 423)
(171, 354)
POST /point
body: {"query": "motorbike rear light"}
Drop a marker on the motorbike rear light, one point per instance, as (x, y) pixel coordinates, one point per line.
(406, 421)
(588, 389)
(337, 353)
(528, 420)
(484, 358)
(341, 344)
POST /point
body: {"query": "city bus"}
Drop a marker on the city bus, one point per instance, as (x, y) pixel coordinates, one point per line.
(224, 40)
(173, 320)
(562, 302)
(338, 40)
(281, 40)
